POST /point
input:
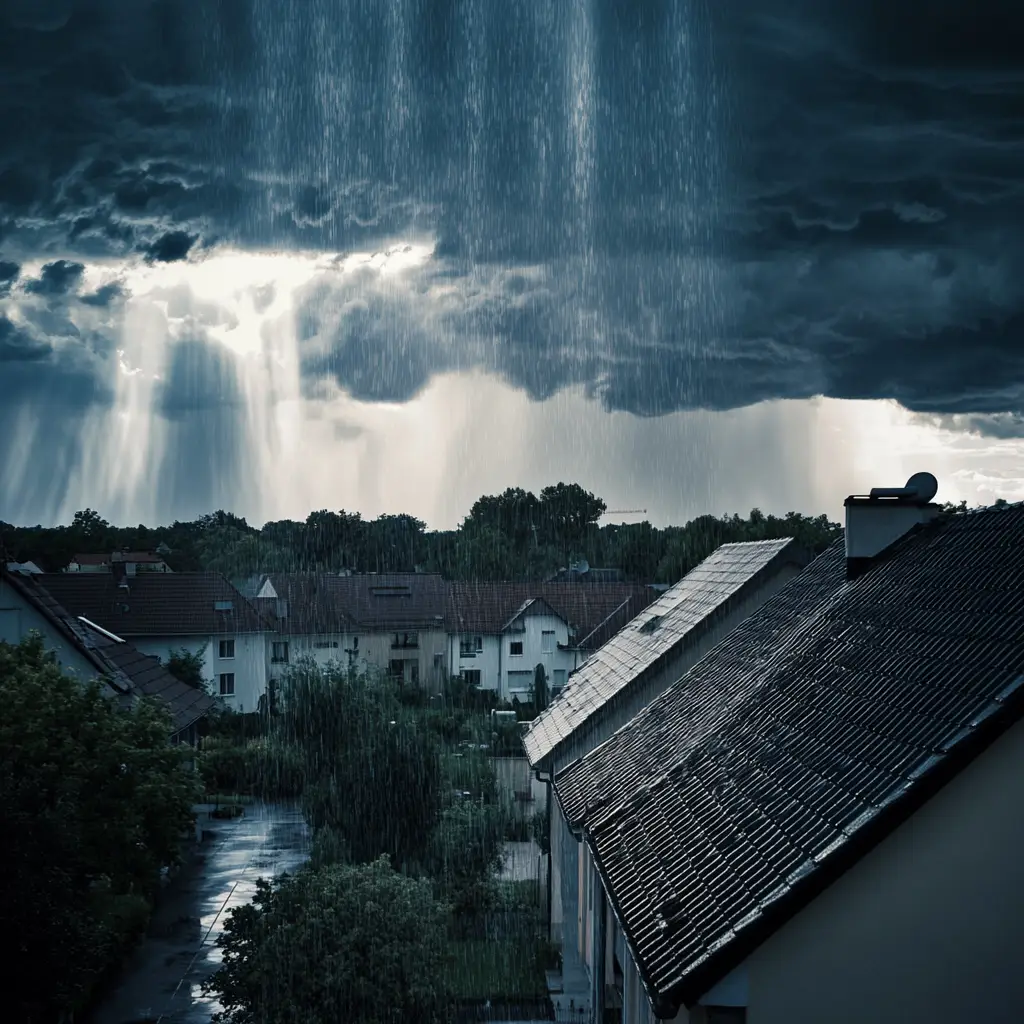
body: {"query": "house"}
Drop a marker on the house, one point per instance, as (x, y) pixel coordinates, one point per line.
(23, 567)
(132, 562)
(822, 819)
(394, 622)
(633, 667)
(499, 632)
(159, 613)
(89, 652)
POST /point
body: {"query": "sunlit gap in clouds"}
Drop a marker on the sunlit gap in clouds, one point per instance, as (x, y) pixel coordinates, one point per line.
(229, 319)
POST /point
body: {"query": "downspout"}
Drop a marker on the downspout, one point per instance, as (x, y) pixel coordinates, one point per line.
(501, 644)
(600, 950)
(546, 778)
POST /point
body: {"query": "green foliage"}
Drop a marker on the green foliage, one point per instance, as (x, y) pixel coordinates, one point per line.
(268, 768)
(540, 688)
(188, 667)
(341, 943)
(515, 535)
(372, 772)
(465, 852)
(95, 801)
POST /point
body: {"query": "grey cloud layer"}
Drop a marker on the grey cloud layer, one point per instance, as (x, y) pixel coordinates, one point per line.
(802, 198)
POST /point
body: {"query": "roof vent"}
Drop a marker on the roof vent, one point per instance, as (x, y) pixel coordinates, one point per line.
(877, 520)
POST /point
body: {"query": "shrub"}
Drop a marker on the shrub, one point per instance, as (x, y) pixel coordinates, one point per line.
(342, 943)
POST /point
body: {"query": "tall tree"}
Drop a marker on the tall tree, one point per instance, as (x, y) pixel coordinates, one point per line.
(567, 512)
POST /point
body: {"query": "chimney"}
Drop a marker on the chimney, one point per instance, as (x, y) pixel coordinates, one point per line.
(876, 521)
(119, 572)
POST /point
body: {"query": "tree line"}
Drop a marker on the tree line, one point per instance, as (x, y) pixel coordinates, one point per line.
(515, 535)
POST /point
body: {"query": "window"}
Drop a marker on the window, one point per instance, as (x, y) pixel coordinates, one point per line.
(471, 676)
(223, 606)
(406, 640)
(520, 683)
(470, 646)
(324, 645)
(227, 684)
(547, 641)
(414, 673)
(438, 661)
(279, 652)
(396, 669)
(557, 680)
(227, 649)
(515, 648)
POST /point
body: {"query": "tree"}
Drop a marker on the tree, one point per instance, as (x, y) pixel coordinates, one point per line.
(187, 667)
(465, 852)
(97, 801)
(567, 511)
(513, 513)
(372, 774)
(540, 688)
(341, 943)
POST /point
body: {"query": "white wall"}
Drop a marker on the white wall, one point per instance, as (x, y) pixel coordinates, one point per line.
(485, 662)
(529, 629)
(928, 927)
(18, 618)
(249, 664)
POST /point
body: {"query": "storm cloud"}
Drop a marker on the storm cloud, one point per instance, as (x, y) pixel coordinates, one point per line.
(672, 203)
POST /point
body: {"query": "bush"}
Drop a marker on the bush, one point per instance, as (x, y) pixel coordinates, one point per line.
(270, 769)
(96, 800)
(342, 943)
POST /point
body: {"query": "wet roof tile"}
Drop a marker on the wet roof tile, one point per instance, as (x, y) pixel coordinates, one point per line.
(826, 707)
(667, 625)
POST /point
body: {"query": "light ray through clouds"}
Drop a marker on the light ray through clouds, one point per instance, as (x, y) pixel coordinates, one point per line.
(605, 218)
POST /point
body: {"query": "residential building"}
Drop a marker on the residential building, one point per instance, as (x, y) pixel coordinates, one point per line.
(583, 572)
(394, 622)
(632, 668)
(85, 650)
(822, 819)
(131, 562)
(499, 632)
(23, 567)
(160, 613)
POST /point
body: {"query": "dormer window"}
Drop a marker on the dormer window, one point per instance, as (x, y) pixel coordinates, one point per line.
(223, 606)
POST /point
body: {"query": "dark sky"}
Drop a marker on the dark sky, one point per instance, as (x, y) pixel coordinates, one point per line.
(672, 204)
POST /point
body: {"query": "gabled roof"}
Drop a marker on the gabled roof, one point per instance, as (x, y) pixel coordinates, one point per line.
(323, 603)
(127, 670)
(531, 606)
(149, 678)
(678, 618)
(482, 607)
(156, 604)
(800, 742)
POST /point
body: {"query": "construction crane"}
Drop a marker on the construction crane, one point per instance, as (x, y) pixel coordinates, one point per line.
(625, 512)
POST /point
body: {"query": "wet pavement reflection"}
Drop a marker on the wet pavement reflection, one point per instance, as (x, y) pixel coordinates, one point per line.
(162, 982)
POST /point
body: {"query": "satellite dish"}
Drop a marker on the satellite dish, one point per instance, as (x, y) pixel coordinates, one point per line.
(924, 485)
(582, 566)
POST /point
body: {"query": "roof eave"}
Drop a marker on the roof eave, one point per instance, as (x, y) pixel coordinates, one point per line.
(688, 990)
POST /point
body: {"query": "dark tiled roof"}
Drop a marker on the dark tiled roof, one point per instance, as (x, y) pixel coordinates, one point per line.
(144, 557)
(149, 678)
(156, 604)
(678, 617)
(486, 607)
(126, 669)
(801, 741)
(318, 602)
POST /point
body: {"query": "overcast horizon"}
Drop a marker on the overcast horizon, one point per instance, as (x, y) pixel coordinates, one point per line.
(273, 257)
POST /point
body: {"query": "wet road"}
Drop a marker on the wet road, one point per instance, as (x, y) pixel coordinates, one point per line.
(162, 982)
